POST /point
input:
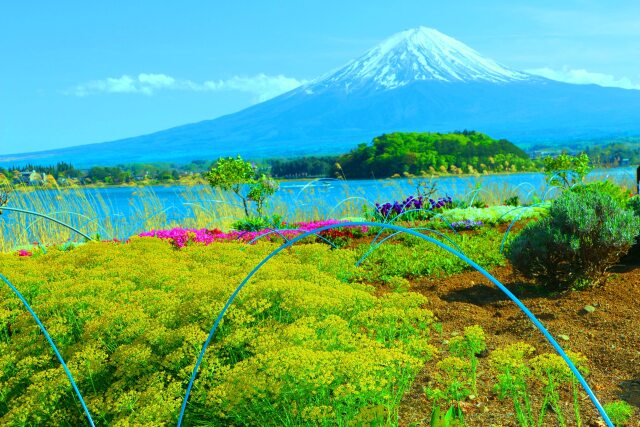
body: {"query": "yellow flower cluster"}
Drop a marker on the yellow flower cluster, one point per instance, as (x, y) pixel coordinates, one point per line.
(304, 343)
(551, 367)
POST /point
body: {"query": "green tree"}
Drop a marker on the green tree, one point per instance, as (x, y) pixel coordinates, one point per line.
(240, 176)
(412, 153)
(565, 169)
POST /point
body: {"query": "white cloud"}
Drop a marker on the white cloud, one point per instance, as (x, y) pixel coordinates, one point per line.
(156, 80)
(261, 86)
(583, 77)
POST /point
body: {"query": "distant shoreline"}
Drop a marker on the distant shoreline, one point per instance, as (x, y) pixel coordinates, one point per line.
(28, 188)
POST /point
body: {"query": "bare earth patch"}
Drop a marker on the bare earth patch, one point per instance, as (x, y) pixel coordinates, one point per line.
(608, 336)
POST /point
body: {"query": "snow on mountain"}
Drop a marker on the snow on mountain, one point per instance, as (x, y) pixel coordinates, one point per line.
(416, 81)
(413, 55)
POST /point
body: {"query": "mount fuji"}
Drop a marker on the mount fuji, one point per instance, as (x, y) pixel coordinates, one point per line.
(416, 80)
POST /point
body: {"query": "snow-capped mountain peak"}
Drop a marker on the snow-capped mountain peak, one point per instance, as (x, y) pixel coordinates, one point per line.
(419, 54)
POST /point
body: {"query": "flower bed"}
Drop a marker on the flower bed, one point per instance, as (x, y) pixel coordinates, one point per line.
(181, 237)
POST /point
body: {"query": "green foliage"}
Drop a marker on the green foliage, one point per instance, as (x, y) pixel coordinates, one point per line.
(451, 418)
(634, 204)
(510, 365)
(620, 412)
(565, 169)
(417, 258)
(613, 154)
(240, 176)
(257, 223)
(300, 346)
(231, 174)
(583, 235)
(616, 192)
(261, 190)
(469, 346)
(512, 201)
(493, 214)
(408, 154)
(452, 386)
(516, 372)
(552, 372)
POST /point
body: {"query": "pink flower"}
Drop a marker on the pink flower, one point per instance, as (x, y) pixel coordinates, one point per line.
(181, 237)
(23, 252)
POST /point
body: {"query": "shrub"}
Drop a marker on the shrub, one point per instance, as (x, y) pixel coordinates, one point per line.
(512, 201)
(634, 204)
(583, 235)
(257, 223)
(607, 187)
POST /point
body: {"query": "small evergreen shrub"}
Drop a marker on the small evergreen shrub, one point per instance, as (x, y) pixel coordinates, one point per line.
(583, 235)
(634, 204)
(257, 223)
(606, 187)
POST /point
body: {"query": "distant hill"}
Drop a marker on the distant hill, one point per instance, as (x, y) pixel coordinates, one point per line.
(428, 153)
(418, 80)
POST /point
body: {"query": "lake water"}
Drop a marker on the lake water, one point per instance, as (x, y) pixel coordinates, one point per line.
(123, 211)
(324, 194)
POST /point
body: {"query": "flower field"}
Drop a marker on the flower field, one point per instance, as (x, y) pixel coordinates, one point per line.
(303, 343)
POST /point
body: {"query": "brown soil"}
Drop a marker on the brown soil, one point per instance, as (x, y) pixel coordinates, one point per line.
(609, 337)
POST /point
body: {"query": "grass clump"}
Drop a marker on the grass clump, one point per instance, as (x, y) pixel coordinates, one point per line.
(620, 412)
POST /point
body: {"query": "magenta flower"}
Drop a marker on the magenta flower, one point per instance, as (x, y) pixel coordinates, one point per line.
(181, 237)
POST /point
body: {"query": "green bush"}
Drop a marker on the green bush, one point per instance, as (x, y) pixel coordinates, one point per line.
(607, 187)
(257, 223)
(583, 235)
(634, 204)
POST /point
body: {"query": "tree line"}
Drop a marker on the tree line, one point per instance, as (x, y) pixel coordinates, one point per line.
(429, 153)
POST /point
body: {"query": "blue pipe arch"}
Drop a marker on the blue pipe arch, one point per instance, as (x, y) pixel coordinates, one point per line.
(415, 233)
(289, 243)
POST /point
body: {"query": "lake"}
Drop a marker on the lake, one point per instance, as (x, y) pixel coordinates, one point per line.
(118, 212)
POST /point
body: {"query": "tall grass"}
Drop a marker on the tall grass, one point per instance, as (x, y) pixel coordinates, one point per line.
(103, 214)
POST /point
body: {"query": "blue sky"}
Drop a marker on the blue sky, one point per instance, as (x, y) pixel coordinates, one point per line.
(79, 72)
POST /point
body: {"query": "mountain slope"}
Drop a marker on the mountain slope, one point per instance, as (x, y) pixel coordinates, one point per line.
(421, 54)
(417, 80)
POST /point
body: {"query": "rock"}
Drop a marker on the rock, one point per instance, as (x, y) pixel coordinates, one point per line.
(589, 308)
(564, 337)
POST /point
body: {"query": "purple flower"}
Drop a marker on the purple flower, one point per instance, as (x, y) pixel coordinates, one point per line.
(467, 224)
